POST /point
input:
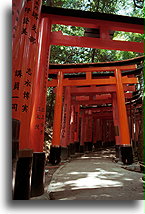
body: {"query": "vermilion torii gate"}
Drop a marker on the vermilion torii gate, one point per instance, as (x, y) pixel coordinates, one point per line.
(32, 38)
(120, 99)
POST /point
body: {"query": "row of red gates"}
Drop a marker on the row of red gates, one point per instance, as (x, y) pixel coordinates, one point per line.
(93, 104)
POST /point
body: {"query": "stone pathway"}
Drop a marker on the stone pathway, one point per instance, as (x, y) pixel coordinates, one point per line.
(95, 177)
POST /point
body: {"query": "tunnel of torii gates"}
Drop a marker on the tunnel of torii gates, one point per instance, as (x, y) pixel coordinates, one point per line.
(96, 105)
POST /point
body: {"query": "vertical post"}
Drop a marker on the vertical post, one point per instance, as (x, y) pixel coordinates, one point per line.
(116, 124)
(86, 122)
(65, 124)
(71, 131)
(26, 19)
(126, 149)
(76, 131)
(82, 132)
(89, 131)
(39, 108)
(55, 150)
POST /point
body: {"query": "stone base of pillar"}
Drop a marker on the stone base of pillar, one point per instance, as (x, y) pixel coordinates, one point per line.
(106, 144)
(112, 143)
(15, 150)
(64, 153)
(38, 174)
(126, 154)
(97, 145)
(55, 155)
(72, 148)
(77, 147)
(86, 145)
(23, 175)
(68, 150)
(90, 146)
(81, 148)
(118, 153)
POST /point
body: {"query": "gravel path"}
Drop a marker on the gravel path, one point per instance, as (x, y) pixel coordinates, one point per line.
(95, 177)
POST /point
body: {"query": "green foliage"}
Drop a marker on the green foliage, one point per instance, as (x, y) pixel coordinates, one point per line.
(63, 55)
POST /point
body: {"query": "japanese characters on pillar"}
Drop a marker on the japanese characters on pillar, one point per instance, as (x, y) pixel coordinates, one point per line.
(116, 119)
(65, 118)
(82, 128)
(76, 123)
(40, 87)
(71, 140)
(89, 127)
(25, 37)
(122, 113)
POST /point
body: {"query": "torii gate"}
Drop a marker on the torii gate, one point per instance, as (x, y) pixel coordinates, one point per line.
(32, 38)
(117, 80)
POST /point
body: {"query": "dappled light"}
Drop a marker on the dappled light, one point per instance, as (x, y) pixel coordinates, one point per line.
(88, 178)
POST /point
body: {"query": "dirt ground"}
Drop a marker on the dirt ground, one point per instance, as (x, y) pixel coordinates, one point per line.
(93, 176)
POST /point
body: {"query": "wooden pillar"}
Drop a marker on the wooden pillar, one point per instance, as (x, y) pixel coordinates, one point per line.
(89, 131)
(116, 120)
(82, 132)
(55, 150)
(76, 127)
(126, 149)
(94, 130)
(99, 133)
(39, 108)
(40, 88)
(71, 131)
(26, 18)
(65, 124)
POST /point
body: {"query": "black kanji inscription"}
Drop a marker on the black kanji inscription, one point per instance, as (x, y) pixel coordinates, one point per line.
(26, 95)
(24, 108)
(27, 83)
(37, 2)
(36, 7)
(35, 15)
(18, 73)
(37, 126)
(34, 28)
(24, 31)
(15, 27)
(27, 9)
(29, 71)
(16, 86)
(32, 39)
(26, 20)
(38, 116)
(15, 107)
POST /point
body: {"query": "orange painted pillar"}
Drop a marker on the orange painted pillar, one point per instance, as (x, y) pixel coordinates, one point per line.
(94, 130)
(116, 120)
(124, 128)
(23, 65)
(82, 131)
(89, 131)
(40, 87)
(72, 131)
(76, 128)
(65, 123)
(126, 149)
(26, 17)
(55, 150)
(98, 133)
(76, 123)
